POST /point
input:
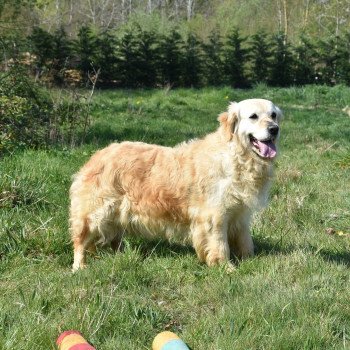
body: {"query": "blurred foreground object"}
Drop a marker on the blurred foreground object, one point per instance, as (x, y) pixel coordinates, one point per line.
(73, 340)
(168, 341)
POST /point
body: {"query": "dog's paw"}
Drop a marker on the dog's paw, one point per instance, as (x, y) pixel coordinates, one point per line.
(76, 268)
(230, 267)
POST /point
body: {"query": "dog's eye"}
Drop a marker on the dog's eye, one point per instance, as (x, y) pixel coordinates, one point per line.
(273, 115)
(253, 116)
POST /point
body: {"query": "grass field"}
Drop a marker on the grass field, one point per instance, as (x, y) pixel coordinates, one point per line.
(294, 294)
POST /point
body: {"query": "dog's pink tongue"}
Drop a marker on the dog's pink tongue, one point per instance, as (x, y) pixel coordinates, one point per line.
(267, 148)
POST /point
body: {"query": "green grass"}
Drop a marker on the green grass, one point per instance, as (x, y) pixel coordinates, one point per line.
(294, 294)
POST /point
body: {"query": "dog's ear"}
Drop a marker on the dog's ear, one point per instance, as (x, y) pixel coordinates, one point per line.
(228, 121)
(279, 113)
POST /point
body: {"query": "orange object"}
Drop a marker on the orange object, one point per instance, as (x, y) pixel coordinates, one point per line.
(73, 340)
(168, 341)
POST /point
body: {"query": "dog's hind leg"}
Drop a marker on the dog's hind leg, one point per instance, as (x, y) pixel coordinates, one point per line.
(82, 240)
(107, 223)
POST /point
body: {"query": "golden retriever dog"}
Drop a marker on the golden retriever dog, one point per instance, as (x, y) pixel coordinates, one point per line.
(203, 191)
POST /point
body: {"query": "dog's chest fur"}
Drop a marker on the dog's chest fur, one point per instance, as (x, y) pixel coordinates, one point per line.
(242, 181)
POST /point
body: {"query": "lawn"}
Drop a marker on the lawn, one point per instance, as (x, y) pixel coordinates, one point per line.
(295, 292)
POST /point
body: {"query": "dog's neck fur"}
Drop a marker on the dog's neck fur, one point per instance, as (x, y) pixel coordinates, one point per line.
(243, 175)
(250, 174)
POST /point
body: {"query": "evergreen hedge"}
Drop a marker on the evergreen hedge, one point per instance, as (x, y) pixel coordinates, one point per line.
(138, 58)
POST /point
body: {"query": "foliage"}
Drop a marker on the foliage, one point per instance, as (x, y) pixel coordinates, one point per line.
(171, 58)
(42, 47)
(106, 58)
(304, 63)
(52, 52)
(235, 60)
(62, 53)
(31, 118)
(259, 56)
(128, 54)
(316, 19)
(85, 47)
(13, 7)
(136, 57)
(24, 112)
(213, 60)
(344, 59)
(192, 62)
(281, 73)
(333, 58)
(148, 52)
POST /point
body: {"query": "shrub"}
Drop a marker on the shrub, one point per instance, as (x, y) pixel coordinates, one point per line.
(24, 112)
(42, 47)
(281, 73)
(235, 58)
(260, 54)
(193, 61)
(85, 47)
(29, 117)
(213, 60)
(171, 59)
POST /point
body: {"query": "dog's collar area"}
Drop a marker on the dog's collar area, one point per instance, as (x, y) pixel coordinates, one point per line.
(264, 148)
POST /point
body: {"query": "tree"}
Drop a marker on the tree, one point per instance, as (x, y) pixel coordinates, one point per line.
(192, 61)
(259, 56)
(61, 52)
(42, 46)
(13, 7)
(332, 16)
(304, 62)
(344, 59)
(106, 58)
(332, 58)
(281, 73)
(213, 59)
(235, 59)
(171, 58)
(85, 47)
(148, 58)
(129, 56)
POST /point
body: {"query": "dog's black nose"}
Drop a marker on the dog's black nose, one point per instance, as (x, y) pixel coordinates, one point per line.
(273, 129)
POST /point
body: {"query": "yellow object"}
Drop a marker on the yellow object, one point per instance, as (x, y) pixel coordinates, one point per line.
(168, 341)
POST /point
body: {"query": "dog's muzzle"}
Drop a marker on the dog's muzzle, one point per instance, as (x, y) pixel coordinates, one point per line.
(273, 130)
(264, 148)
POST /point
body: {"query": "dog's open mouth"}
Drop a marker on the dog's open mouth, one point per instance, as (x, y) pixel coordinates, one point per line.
(264, 148)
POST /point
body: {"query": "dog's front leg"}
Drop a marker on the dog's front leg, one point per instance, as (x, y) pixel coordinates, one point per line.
(239, 238)
(210, 241)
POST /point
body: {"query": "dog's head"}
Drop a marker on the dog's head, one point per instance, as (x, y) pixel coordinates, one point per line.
(254, 122)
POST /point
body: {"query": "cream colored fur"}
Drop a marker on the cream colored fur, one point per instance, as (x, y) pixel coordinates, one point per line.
(203, 191)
